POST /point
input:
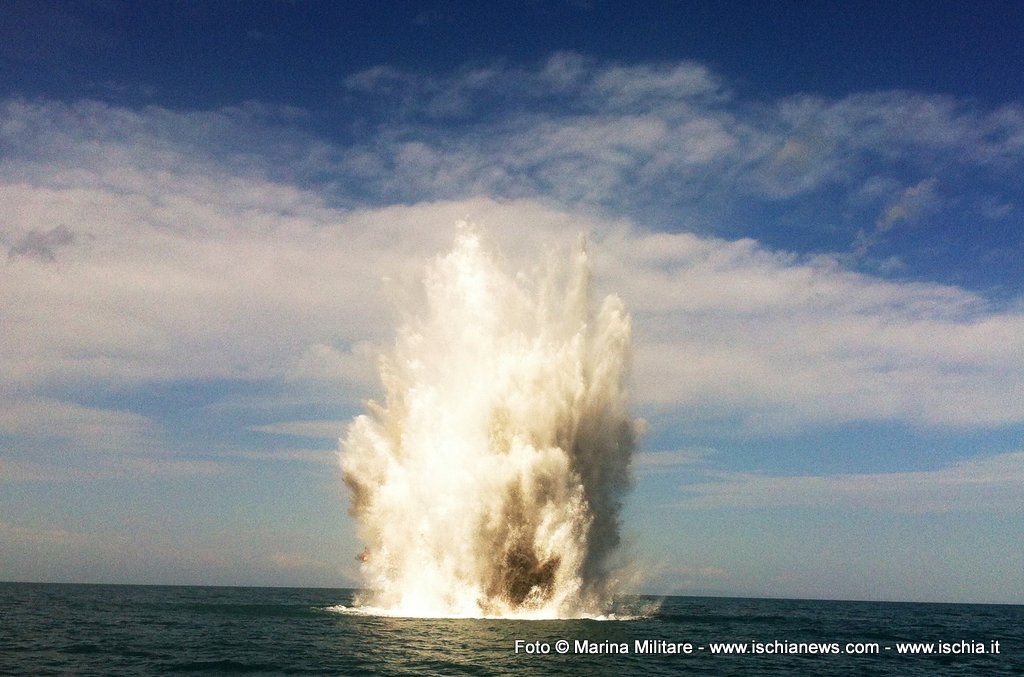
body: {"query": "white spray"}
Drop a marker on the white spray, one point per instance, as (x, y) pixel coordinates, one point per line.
(489, 483)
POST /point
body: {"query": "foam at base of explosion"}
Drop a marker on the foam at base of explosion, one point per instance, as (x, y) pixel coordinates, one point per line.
(488, 483)
(636, 612)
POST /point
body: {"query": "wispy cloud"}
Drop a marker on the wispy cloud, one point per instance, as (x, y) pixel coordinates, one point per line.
(143, 468)
(992, 484)
(908, 207)
(88, 429)
(315, 429)
(651, 140)
(676, 457)
(20, 535)
(152, 245)
(315, 456)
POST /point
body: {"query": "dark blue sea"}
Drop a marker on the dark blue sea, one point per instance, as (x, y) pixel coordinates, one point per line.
(50, 629)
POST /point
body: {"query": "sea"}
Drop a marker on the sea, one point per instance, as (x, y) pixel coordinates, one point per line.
(65, 629)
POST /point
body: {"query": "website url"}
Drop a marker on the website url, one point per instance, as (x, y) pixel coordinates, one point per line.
(855, 648)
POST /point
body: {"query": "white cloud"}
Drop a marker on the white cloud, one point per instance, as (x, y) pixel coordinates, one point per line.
(327, 364)
(982, 484)
(88, 429)
(151, 245)
(724, 328)
(650, 139)
(328, 430)
(176, 284)
(108, 468)
(765, 340)
(677, 457)
(314, 456)
(644, 85)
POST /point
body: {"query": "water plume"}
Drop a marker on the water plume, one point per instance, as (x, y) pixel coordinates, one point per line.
(489, 482)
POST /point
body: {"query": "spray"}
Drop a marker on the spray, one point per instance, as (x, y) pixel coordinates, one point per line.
(489, 481)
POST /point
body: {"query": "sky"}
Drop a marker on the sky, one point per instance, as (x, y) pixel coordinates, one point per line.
(812, 211)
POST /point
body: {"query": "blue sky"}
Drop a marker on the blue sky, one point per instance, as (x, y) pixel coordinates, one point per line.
(813, 214)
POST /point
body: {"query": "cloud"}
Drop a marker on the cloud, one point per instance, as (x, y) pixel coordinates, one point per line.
(261, 281)
(666, 144)
(87, 144)
(328, 430)
(325, 363)
(314, 456)
(152, 246)
(645, 85)
(563, 78)
(18, 535)
(46, 553)
(49, 439)
(108, 468)
(169, 272)
(88, 429)
(763, 340)
(43, 245)
(984, 484)
(662, 459)
(908, 207)
(150, 249)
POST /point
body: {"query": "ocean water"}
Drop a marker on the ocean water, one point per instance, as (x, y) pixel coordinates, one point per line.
(48, 629)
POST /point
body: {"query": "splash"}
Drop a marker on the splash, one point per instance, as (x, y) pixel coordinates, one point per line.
(489, 482)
